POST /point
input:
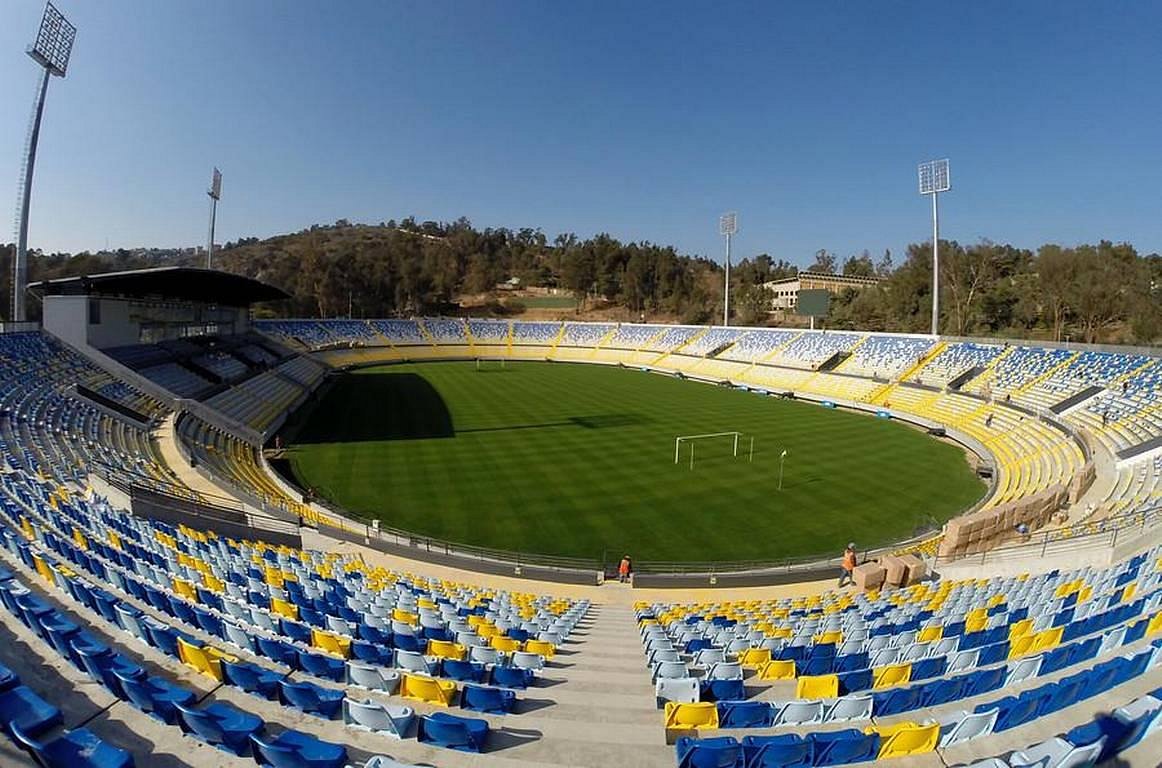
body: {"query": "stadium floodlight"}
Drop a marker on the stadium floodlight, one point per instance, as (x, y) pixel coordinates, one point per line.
(52, 49)
(934, 179)
(727, 225)
(215, 193)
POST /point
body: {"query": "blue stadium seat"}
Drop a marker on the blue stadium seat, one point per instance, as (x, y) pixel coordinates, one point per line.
(745, 714)
(478, 698)
(80, 748)
(459, 733)
(294, 749)
(311, 698)
(714, 752)
(21, 708)
(221, 725)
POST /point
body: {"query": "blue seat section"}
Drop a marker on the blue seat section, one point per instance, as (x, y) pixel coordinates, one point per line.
(294, 749)
(745, 714)
(221, 725)
(714, 752)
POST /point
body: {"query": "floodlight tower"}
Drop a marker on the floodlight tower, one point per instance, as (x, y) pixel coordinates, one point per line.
(215, 193)
(727, 225)
(54, 44)
(934, 179)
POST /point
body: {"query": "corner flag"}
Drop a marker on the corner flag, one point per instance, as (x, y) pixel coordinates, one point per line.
(783, 455)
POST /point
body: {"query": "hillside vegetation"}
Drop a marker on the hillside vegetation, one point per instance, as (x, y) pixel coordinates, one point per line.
(1105, 292)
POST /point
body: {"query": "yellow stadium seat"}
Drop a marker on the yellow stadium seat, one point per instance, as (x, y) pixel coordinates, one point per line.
(755, 657)
(196, 658)
(213, 583)
(427, 689)
(1020, 628)
(443, 649)
(833, 637)
(777, 670)
(930, 634)
(904, 739)
(1129, 591)
(890, 675)
(1021, 646)
(283, 608)
(331, 643)
(185, 589)
(399, 614)
(817, 687)
(504, 644)
(42, 568)
(543, 647)
(1047, 639)
(1155, 625)
(699, 715)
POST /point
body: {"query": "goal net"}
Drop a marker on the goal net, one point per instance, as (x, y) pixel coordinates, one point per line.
(715, 444)
(490, 364)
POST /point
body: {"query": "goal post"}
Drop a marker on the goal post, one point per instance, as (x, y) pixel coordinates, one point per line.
(736, 440)
(483, 363)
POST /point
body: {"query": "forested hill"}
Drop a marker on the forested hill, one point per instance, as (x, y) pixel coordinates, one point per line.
(1105, 292)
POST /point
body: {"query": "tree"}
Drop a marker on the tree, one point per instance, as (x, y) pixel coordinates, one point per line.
(966, 272)
(859, 266)
(824, 262)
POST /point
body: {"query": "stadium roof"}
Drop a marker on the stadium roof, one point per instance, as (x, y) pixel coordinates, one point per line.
(206, 286)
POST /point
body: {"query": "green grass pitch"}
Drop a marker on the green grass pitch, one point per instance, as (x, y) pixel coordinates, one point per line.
(578, 460)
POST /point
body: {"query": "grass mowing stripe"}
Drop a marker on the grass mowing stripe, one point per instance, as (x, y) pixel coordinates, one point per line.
(577, 460)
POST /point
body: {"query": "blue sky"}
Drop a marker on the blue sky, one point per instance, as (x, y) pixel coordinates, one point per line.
(643, 120)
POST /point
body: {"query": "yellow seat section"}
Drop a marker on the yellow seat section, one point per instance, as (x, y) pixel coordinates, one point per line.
(699, 715)
(755, 657)
(1047, 639)
(777, 670)
(213, 583)
(284, 608)
(443, 649)
(427, 689)
(904, 739)
(543, 647)
(199, 660)
(817, 687)
(1021, 646)
(1020, 628)
(930, 634)
(331, 643)
(833, 637)
(890, 675)
(504, 644)
(1129, 592)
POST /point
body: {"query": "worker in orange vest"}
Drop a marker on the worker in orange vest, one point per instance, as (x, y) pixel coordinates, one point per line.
(848, 565)
(623, 570)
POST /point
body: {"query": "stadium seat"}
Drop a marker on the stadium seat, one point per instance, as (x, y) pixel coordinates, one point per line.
(905, 739)
(78, 748)
(745, 714)
(817, 687)
(782, 751)
(962, 726)
(800, 712)
(844, 747)
(696, 715)
(478, 698)
(252, 678)
(155, 696)
(311, 698)
(427, 689)
(220, 724)
(714, 752)
(452, 732)
(891, 675)
(294, 749)
(777, 670)
(392, 719)
(21, 708)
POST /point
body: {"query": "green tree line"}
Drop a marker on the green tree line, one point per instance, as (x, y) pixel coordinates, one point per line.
(1099, 293)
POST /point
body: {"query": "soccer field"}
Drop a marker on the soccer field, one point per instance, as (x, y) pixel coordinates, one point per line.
(566, 459)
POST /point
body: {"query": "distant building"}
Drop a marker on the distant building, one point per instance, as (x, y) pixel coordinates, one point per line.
(785, 292)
